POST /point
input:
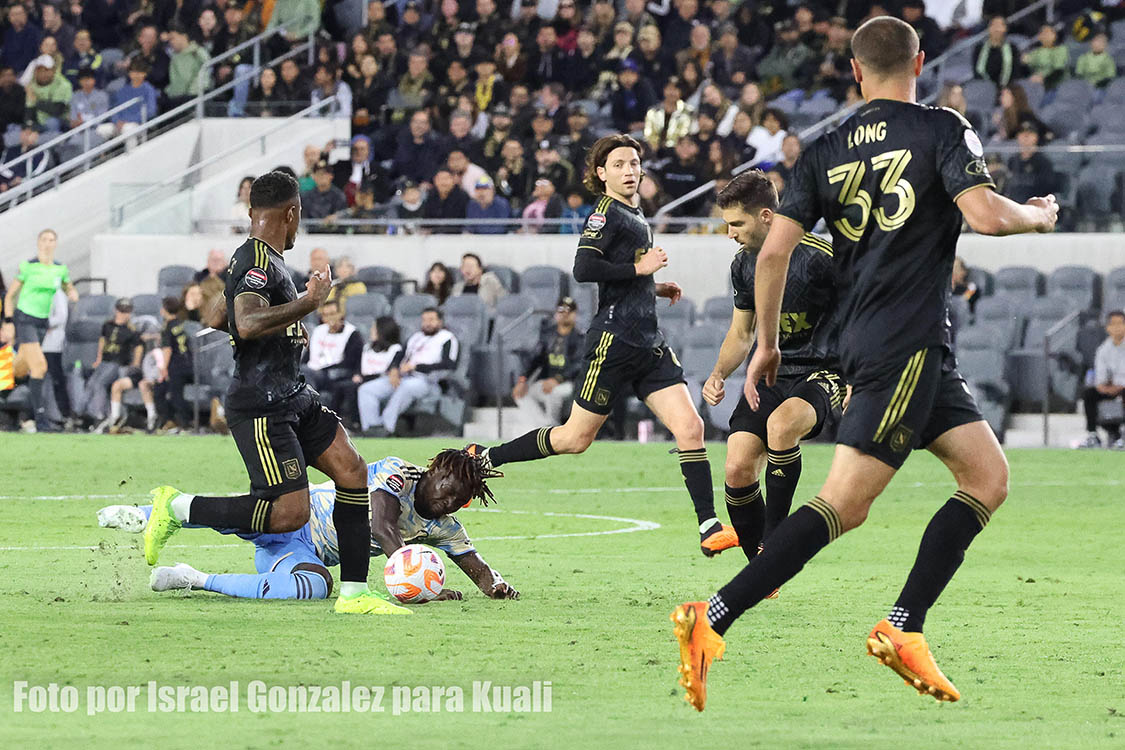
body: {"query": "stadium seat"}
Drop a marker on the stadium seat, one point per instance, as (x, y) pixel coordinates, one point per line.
(370, 305)
(719, 416)
(586, 295)
(1077, 284)
(175, 276)
(94, 307)
(1034, 91)
(980, 96)
(213, 362)
(717, 312)
(407, 310)
(1114, 290)
(959, 316)
(985, 281)
(1074, 94)
(81, 344)
(1061, 119)
(518, 336)
(697, 351)
(1019, 281)
(675, 319)
(1115, 92)
(1107, 118)
(996, 315)
(1112, 156)
(467, 316)
(380, 280)
(147, 304)
(1097, 186)
(508, 277)
(544, 285)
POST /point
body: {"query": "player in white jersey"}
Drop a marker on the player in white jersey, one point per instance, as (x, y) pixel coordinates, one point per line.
(409, 505)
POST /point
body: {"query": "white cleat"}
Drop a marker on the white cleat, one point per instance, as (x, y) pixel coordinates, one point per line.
(128, 518)
(178, 577)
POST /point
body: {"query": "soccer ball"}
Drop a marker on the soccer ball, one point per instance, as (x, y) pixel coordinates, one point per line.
(414, 573)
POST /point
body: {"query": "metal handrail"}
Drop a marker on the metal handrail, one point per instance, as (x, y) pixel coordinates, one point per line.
(932, 68)
(118, 210)
(1051, 332)
(498, 340)
(69, 134)
(429, 223)
(254, 42)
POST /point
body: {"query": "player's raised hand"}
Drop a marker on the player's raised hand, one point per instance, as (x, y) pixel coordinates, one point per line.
(1051, 207)
(652, 261)
(714, 390)
(670, 291)
(763, 366)
(319, 285)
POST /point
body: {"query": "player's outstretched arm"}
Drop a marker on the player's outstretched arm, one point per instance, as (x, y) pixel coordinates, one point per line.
(490, 582)
(990, 213)
(736, 345)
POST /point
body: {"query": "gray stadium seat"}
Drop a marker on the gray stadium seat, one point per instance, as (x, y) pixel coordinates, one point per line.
(819, 107)
(958, 314)
(996, 315)
(407, 311)
(1107, 118)
(1034, 91)
(81, 343)
(213, 361)
(980, 96)
(370, 305)
(381, 280)
(508, 277)
(717, 312)
(544, 285)
(521, 336)
(1113, 156)
(1019, 281)
(147, 304)
(1077, 284)
(1061, 119)
(675, 319)
(1097, 184)
(1075, 94)
(586, 295)
(94, 307)
(984, 280)
(467, 316)
(1115, 91)
(175, 276)
(698, 349)
(1114, 290)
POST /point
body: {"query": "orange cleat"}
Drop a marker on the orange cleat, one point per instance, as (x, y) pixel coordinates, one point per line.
(699, 644)
(909, 656)
(720, 540)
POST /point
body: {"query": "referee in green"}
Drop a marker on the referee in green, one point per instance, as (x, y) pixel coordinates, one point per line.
(27, 305)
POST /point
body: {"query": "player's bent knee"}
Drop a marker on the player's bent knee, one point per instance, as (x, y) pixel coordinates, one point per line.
(288, 515)
(740, 474)
(690, 430)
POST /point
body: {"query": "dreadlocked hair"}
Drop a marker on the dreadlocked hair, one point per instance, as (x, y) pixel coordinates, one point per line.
(466, 469)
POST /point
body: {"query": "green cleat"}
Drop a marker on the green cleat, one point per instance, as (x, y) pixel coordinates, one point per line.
(161, 524)
(369, 603)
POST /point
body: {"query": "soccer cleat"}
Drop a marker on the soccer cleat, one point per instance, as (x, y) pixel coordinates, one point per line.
(716, 539)
(369, 603)
(476, 449)
(161, 524)
(125, 517)
(699, 644)
(909, 656)
(1090, 441)
(179, 576)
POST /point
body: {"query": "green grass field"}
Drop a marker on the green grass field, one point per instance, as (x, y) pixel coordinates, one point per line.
(1029, 630)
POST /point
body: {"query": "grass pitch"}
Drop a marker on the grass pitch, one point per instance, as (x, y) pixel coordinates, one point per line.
(1029, 630)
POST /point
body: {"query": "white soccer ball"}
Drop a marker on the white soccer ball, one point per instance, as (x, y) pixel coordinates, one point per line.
(414, 573)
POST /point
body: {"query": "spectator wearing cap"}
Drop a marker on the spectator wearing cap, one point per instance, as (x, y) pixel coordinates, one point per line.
(550, 164)
(464, 48)
(411, 25)
(677, 32)
(633, 98)
(82, 56)
(446, 201)
(995, 58)
(1048, 63)
(787, 65)
(13, 99)
(299, 18)
(547, 60)
(48, 96)
(767, 137)
(136, 87)
(733, 60)
(542, 126)
(21, 39)
(119, 357)
(487, 151)
(187, 62)
(324, 201)
(151, 52)
(671, 118)
(1031, 171)
(544, 204)
(548, 379)
(419, 151)
(655, 63)
(476, 280)
(485, 204)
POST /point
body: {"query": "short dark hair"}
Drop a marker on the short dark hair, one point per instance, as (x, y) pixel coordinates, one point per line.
(273, 189)
(137, 65)
(885, 45)
(285, 169)
(777, 114)
(750, 190)
(388, 333)
(436, 311)
(475, 257)
(598, 155)
(172, 305)
(1114, 314)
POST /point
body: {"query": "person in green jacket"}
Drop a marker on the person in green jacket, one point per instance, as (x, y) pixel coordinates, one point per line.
(299, 18)
(1097, 67)
(48, 96)
(1049, 62)
(27, 306)
(188, 58)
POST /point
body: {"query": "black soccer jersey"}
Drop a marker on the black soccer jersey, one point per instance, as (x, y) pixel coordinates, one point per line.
(807, 330)
(627, 307)
(121, 341)
(266, 369)
(886, 182)
(175, 338)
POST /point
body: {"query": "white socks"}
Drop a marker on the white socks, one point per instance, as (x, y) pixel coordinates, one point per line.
(181, 507)
(703, 527)
(150, 410)
(114, 411)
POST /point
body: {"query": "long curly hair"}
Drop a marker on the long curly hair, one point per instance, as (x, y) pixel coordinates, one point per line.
(467, 470)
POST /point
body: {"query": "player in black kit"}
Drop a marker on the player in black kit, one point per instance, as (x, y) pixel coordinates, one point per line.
(809, 390)
(276, 419)
(893, 183)
(624, 347)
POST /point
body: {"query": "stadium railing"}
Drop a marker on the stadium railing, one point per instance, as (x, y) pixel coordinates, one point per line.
(408, 226)
(193, 109)
(933, 74)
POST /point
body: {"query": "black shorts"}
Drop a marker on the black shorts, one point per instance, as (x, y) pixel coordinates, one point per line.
(277, 445)
(135, 375)
(29, 329)
(908, 409)
(612, 365)
(823, 390)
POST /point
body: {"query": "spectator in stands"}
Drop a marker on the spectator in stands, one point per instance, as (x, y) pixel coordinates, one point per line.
(55, 26)
(683, 174)
(583, 65)
(299, 18)
(632, 99)
(216, 267)
(415, 88)
(995, 58)
(790, 150)
(138, 87)
(292, 89)
(698, 50)
(1014, 111)
(930, 36)
(513, 177)
(48, 96)
(475, 280)
(419, 153)
(430, 357)
(655, 63)
(577, 210)
(380, 351)
(1108, 381)
(21, 39)
(487, 205)
(319, 262)
(544, 204)
(344, 283)
(81, 56)
(963, 286)
(952, 96)
(768, 137)
(192, 302)
(364, 208)
(150, 52)
(265, 99)
(106, 20)
(205, 33)
(325, 85)
(548, 379)
(187, 61)
(13, 99)
(88, 103)
(464, 171)
(119, 359)
(240, 211)
(325, 201)
(369, 95)
(1049, 62)
(549, 164)
(407, 208)
(546, 62)
(333, 354)
(173, 411)
(349, 175)
(789, 64)
(438, 282)
(446, 201)
(720, 161)
(667, 121)
(1096, 67)
(1031, 171)
(732, 60)
(311, 155)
